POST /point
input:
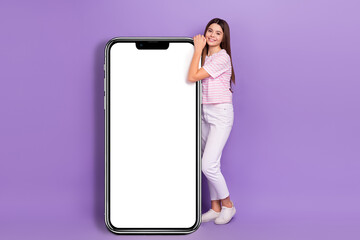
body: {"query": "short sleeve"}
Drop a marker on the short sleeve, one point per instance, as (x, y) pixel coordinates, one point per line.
(217, 65)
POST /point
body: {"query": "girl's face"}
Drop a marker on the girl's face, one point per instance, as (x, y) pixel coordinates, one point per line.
(214, 35)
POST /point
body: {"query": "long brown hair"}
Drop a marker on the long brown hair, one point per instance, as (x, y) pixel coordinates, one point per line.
(225, 43)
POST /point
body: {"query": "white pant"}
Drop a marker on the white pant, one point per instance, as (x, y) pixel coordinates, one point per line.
(217, 121)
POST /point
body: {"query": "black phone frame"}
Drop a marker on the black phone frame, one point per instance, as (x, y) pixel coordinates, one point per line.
(148, 43)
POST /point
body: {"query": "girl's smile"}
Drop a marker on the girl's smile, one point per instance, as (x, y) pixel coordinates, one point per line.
(213, 41)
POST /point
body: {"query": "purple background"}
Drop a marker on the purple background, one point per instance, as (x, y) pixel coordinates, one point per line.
(292, 159)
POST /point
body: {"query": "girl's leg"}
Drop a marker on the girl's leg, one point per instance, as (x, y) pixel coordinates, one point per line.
(215, 143)
(226, 202)
(215, 203)
(220, 119)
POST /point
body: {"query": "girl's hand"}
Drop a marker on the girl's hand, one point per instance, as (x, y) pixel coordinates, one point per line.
(199, 42)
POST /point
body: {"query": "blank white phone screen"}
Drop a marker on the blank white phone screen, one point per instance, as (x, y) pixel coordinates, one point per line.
(152, 137)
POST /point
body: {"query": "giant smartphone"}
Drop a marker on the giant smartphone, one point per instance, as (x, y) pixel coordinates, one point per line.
(152, 136)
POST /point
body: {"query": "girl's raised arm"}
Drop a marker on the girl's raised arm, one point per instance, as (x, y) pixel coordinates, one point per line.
(196, 74)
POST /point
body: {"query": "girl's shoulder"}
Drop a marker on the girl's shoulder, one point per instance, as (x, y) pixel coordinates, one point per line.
(222, 54)
(220, 57)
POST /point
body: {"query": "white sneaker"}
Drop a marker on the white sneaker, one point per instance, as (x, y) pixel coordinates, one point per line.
(226, 215)
(209, 216)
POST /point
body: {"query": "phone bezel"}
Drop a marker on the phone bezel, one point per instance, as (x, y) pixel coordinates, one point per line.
(171, 231)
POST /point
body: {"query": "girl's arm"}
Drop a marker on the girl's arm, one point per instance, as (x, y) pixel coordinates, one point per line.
(196, 74)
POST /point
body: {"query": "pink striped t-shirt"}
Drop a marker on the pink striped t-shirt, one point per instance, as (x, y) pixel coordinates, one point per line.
(215, 89)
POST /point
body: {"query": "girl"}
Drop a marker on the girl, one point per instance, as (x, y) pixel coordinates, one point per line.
(216, 74)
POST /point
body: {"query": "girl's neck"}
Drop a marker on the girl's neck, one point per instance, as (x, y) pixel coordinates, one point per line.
(213, 50)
